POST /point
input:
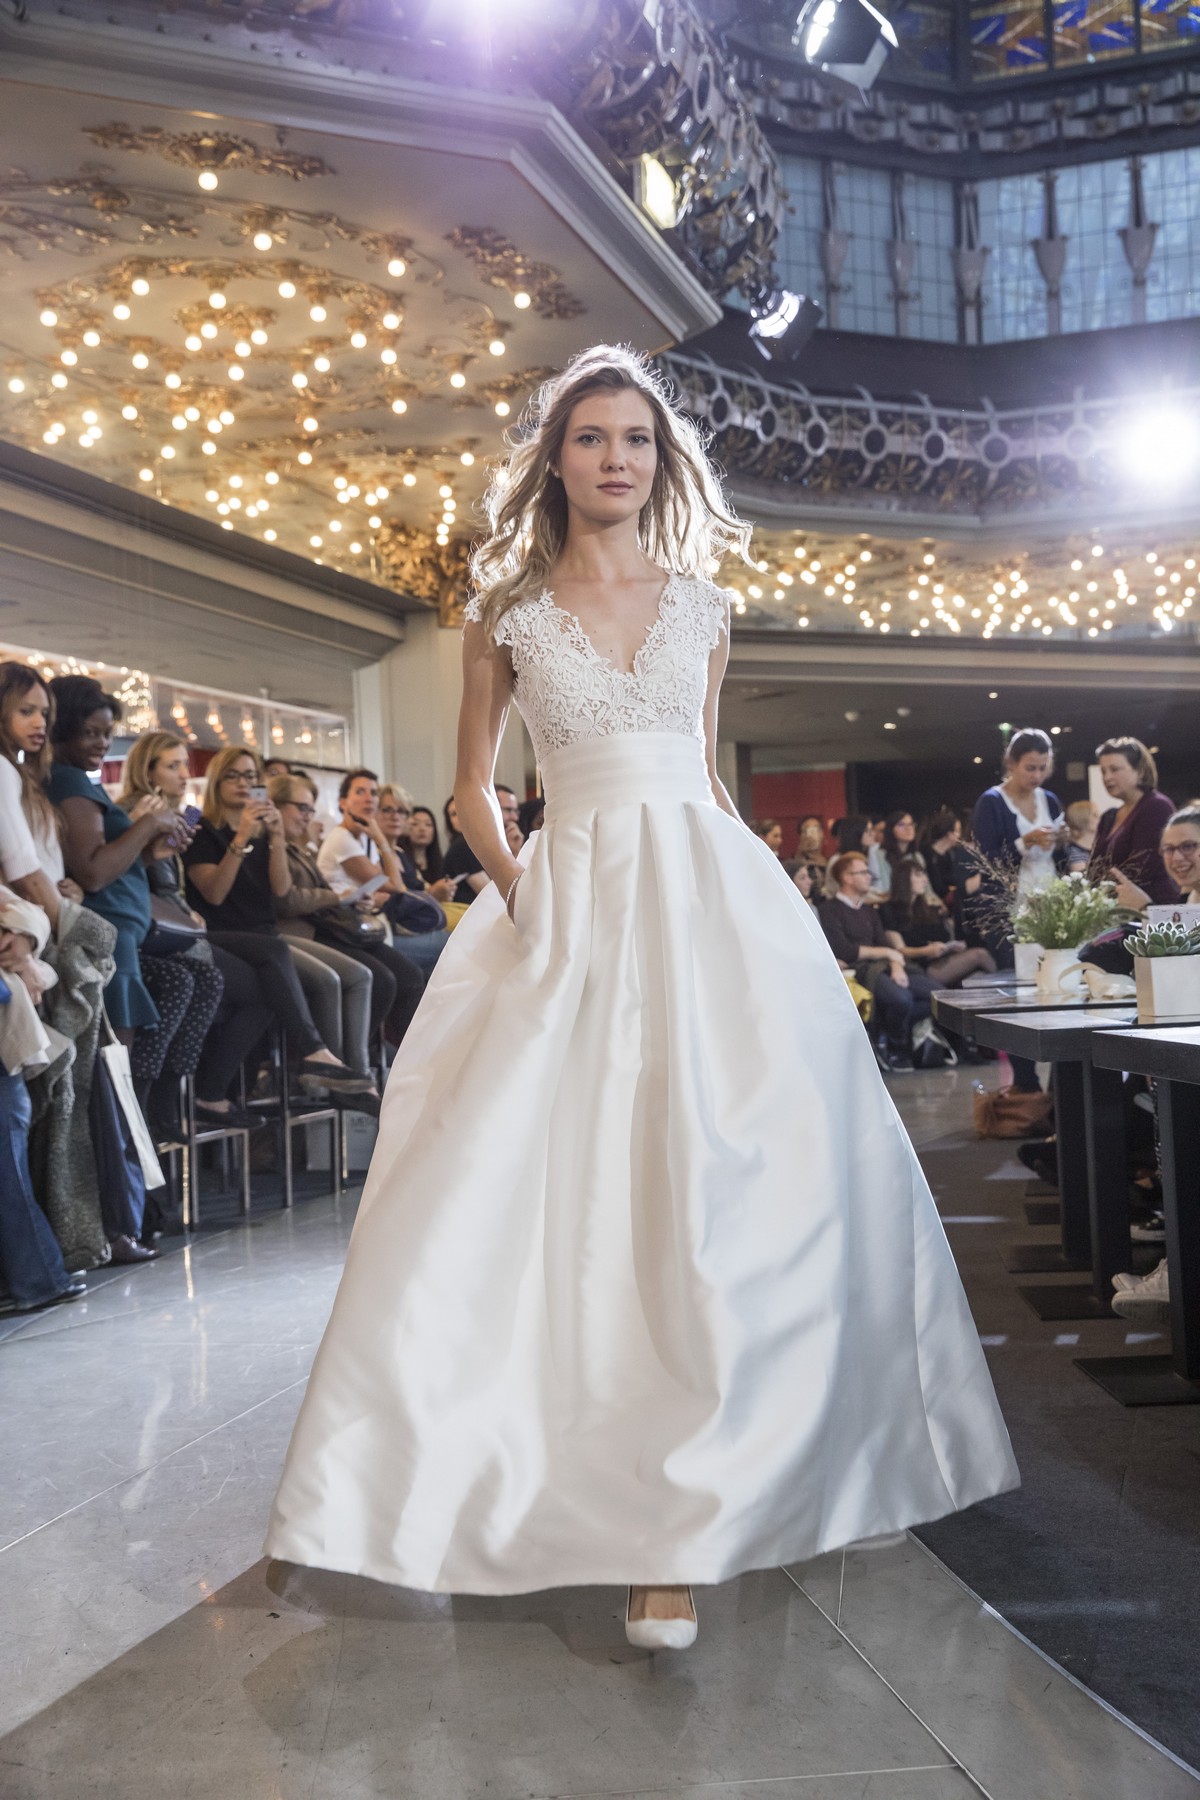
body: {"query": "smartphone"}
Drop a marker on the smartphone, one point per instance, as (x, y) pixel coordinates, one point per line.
(259, 794)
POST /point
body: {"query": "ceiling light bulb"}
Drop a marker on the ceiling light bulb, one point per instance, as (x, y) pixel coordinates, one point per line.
(458, 379)
(207, 180)
(317, 314)
(270, 535)
(48, 316)
(466, 459)
(258, 335)
(299, 379)
(58, 379)
(172, 379)
(321, 364)
(208, 447)
(315, 542)
(305, 457)
(192, 342)
(17, 386)
(391, 321)
(387, 356)
(236, 372)
(263, 240)
(287, 290)
(502, 409)
(310, 424)
(272, 477)
(399, 406)
(235, 481)
(382, 491)
(91, 339)
(168, 450)
(356, 549)
(140, 360)
(208, 329)
(359, 339)
(409, 479)
(521, 300)
(397, 266)
(179, 422)
(497, 346)
(374, 521)
(129, 411)
(192, 413)
(335, 524)
(140, 285)
(145, 474)
(445, 491)
(120, 310)
(216, 300)
(242, 348)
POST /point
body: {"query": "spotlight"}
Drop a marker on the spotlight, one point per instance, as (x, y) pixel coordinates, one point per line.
(847, 40)
(782, 323)
(1160, 446)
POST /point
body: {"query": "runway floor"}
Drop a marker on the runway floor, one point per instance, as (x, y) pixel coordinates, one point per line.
(149, 1651)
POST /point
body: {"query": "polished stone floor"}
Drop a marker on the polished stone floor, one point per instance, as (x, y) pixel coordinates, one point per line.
(149, 1651)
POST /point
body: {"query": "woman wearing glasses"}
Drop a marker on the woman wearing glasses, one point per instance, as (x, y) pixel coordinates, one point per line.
(237, 867)
(1180, 853)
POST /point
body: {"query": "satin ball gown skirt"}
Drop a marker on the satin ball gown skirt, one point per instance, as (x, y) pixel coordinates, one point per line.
(646, 1284)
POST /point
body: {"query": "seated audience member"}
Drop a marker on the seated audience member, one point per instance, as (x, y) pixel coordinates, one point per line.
(396, 983)
(802, 878)
(771, 833)
(357, 851)
(916, 922)
(105, 845)
(461, 862)
(530, 815)
(510, 812)
(858, 834)
(31, 1262)
(940, 839)
(810, 846)
(31, 856)
(856, 936)
(1082, 819)
(411, 832)
(1180, 853)
(898, 839)
(236, 866)
(1127, 837)
(25, 1046)
(210, 1008)
(275, 767)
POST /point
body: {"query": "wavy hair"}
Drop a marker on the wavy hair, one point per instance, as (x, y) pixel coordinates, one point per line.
(685, 526)
(137, 776)
(16, 680)
(211, 806)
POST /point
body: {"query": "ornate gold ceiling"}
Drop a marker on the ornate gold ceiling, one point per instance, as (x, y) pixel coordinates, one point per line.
(317, 340)
(1084, 585)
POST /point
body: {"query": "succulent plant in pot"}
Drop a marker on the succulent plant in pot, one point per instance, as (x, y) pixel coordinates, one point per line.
(1167, 970)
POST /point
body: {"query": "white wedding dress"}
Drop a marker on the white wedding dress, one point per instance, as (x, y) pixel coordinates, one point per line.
(646, 1284)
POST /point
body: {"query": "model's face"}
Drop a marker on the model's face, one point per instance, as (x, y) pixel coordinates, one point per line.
(362, 799)
(89, 748)
(609, 456)
(1119, 777)
(28, 721)
(1031, 770)
(420, 828)
(509, 806)
(905, 830)
(1181, 854)
(169, 773)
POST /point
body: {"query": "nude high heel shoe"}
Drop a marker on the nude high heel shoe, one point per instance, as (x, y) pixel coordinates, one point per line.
(661, 1634)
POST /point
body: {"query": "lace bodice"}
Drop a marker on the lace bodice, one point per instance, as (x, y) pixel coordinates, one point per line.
(565, 690)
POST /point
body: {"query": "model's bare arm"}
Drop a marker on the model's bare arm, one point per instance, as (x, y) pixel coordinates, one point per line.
(717, 662)
(487, 696)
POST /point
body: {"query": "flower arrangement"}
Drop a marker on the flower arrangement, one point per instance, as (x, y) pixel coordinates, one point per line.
(1169, 939)
(1067, 912)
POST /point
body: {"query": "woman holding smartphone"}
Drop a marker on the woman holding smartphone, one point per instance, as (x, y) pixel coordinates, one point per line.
(237, 867)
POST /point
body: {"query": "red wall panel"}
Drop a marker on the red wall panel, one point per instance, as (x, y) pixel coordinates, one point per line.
(791, 794)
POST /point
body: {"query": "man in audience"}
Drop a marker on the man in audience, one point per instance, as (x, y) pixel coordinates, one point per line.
(856, 937)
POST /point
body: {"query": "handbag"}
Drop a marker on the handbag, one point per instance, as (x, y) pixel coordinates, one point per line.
(414, 914)
(115, 1058)
(1008, 1113)
(349, 929)
(173, 929)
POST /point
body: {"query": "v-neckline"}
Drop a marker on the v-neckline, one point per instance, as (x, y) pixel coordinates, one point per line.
(607, 661)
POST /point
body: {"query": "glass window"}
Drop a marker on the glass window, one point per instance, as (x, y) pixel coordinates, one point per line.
(1170, 24)
(1088, 30)
(1007, 40)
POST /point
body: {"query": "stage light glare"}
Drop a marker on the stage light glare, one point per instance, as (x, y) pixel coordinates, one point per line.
(782, 323)
(1160, 447)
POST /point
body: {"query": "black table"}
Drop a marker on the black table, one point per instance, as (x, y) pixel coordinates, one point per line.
(1094, 1207)
(1170, 1054)
(960, 1008)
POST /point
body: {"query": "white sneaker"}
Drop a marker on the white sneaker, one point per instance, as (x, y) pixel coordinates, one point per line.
(1150, 1295)
(662, 1634)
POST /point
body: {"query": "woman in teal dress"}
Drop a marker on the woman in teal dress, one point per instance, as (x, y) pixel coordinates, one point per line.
(105, 845)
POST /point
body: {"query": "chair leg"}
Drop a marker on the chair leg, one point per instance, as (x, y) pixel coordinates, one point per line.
(285, 1119)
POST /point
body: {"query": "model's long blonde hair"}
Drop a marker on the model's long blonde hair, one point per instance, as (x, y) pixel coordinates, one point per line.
(686, 525)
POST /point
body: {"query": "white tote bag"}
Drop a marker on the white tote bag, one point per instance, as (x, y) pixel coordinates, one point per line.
(116, 1061)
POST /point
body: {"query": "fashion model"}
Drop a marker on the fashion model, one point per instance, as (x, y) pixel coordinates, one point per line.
(646, 1285)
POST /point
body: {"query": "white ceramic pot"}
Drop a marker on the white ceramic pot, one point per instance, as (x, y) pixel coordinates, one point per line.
(1027, 957)
(1060, 976)
(1168, 987)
